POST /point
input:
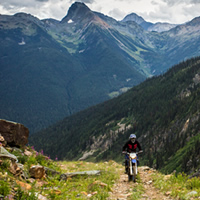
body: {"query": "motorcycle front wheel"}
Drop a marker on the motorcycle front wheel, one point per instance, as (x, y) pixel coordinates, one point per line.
(132, 177)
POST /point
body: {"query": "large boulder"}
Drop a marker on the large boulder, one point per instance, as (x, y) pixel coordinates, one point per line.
(14, 133)
(37, 172)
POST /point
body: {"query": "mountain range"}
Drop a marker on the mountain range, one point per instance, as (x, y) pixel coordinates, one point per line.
(52, 69)
(158, 27)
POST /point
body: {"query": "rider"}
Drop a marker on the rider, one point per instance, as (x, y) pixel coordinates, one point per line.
(130, 146)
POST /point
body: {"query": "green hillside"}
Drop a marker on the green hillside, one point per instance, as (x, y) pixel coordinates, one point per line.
(41, 82)
(163, 111)
(33, 78)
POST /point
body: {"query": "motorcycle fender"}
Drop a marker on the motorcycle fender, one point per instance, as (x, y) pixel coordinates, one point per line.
(134, 161)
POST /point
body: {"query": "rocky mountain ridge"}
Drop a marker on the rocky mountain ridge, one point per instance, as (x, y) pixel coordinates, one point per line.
(158, 26)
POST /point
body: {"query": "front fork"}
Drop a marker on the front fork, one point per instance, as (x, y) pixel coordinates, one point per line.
(130, 166)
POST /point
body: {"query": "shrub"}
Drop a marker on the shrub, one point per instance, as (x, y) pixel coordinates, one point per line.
(5, 164)
(4, 188)
(193, 183)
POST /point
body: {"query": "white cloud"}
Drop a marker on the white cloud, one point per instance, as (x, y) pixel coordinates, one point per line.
(125, 7)
(173, 11)
(117, 13)
(177, 2)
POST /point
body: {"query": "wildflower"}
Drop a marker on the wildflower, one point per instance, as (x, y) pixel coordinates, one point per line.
(42, 152)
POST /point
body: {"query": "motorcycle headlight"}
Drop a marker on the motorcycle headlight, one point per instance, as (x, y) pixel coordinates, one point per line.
(133, 155)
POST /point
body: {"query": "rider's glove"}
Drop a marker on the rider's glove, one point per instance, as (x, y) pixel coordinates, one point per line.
(124, 152)
(140, 151)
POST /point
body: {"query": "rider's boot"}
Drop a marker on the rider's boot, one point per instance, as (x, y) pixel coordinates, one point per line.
(126, 168)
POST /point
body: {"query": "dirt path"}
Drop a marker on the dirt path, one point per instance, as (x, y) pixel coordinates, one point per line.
(123, 189)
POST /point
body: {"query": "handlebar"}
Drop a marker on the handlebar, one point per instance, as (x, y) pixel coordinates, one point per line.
(139, 152)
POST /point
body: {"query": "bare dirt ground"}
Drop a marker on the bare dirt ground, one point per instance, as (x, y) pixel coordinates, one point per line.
(123, 188)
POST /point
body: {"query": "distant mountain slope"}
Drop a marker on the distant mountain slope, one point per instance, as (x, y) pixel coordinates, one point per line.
(41, 82)
(158, 27)
(35, 71)
(51, 69)
(163, 112)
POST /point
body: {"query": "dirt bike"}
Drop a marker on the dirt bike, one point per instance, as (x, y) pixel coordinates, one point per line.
(132, 163)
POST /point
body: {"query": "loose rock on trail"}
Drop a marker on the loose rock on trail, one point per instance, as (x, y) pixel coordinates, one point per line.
(123, 188)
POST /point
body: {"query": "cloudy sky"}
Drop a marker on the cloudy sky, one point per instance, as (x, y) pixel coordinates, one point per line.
(172, 11)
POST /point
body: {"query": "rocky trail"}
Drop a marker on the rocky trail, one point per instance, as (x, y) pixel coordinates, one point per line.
(123, 188)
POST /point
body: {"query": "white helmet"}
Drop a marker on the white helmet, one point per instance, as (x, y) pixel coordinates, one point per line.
(132, 137)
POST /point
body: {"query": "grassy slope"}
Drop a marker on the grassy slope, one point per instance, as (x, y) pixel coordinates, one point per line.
(95, 187)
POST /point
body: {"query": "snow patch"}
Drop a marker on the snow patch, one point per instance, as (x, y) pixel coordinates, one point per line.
(81, 51)
(22, 42)
(70, 21)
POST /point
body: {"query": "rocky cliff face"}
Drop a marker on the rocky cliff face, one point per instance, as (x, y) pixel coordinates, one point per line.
(15, 134)
(78, 12)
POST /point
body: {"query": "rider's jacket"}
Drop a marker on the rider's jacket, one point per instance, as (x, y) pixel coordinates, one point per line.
(131, 147)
